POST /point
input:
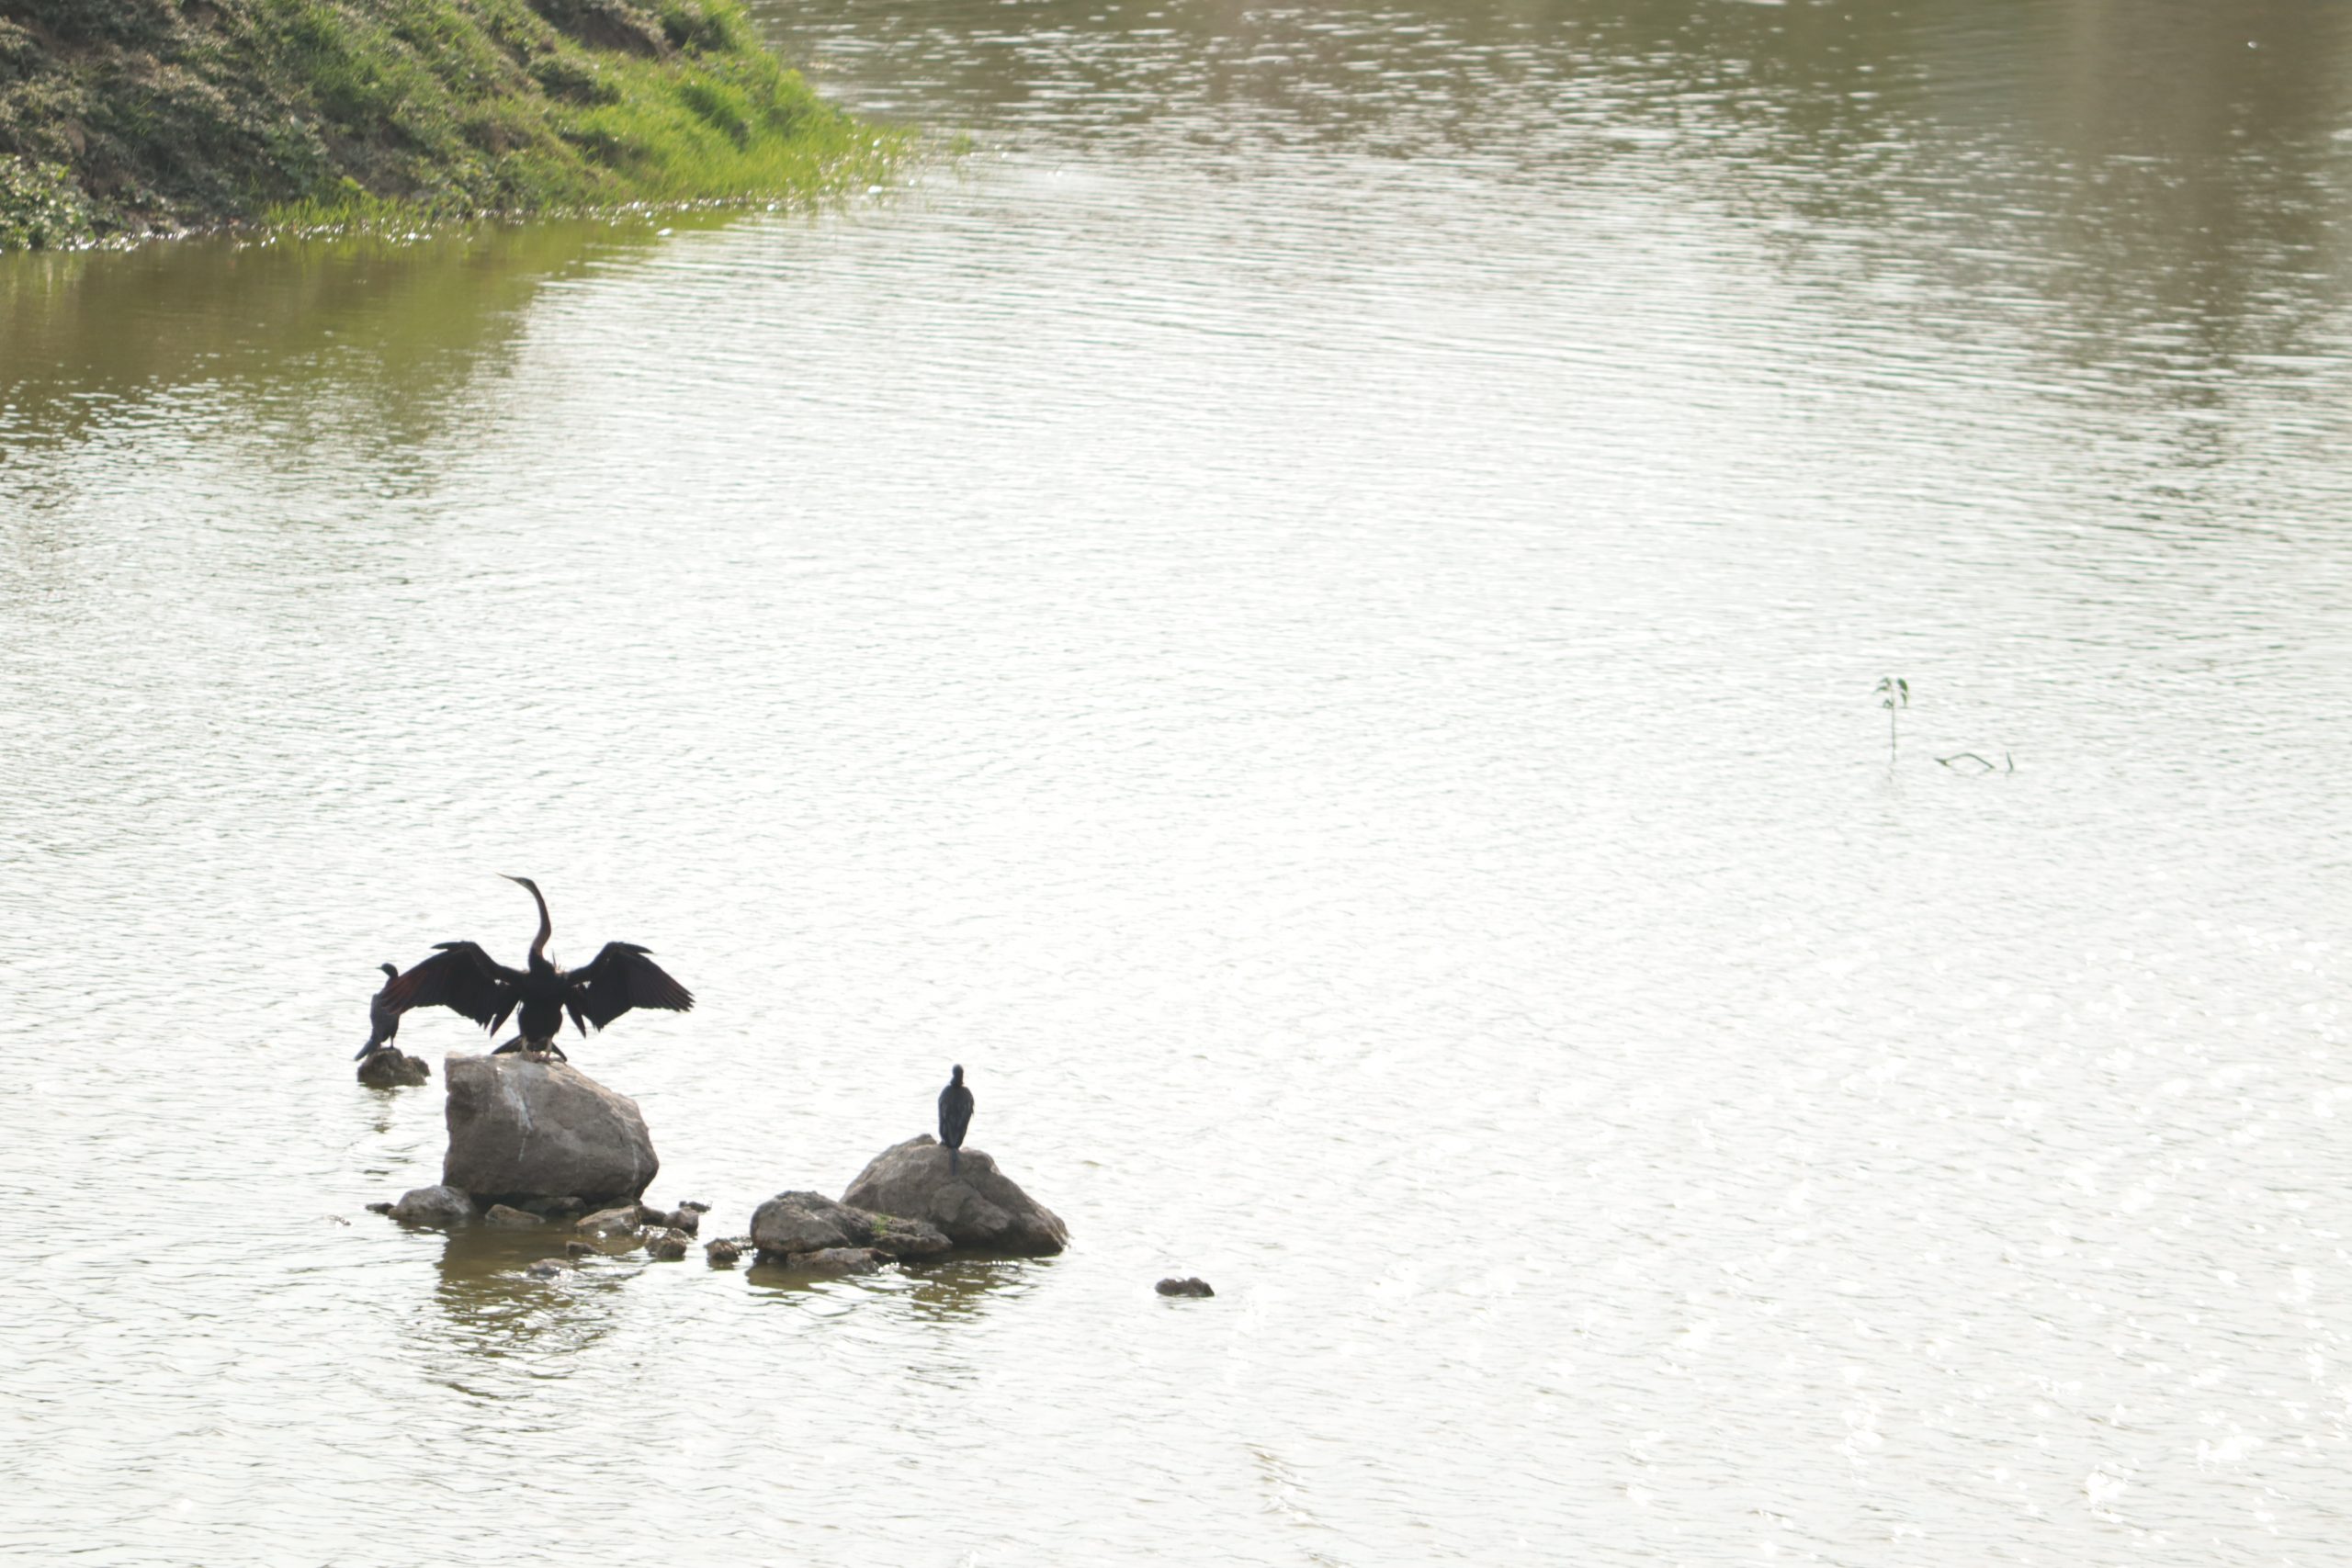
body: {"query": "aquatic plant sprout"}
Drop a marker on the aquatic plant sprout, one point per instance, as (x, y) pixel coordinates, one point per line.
(1894, 695)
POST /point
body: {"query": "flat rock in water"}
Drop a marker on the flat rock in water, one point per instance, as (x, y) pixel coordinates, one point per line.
(523, 1130)
(1193, 1287)
(513, 1219)
(611, 1225)
(388, 1069)
(795, 1222)
(977, 1206)
(837, 1260)
(443, 1206)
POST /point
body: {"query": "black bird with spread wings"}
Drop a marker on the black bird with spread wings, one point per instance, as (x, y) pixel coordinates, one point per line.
(463, 979)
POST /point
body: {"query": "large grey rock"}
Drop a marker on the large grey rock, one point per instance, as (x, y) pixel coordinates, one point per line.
(522, 1130)
(793, 1223)
(979, 1207)
(443, 1206)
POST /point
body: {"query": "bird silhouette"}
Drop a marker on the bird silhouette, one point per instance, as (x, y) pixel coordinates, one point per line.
(955, 1116)
(467, 980)
(383, 1020)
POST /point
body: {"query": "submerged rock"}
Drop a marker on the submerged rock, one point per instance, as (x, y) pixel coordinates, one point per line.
(977, 1206)
(611, 1225)
(515, 1219)
(388, 1069)
(523, 1129)
(681, 1218)
(795, 1222)
(548, 1267)
(443, 1206)
(1193, 1287)
(837, 1260)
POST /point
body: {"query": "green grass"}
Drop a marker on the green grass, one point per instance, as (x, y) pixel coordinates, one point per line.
(378, 114)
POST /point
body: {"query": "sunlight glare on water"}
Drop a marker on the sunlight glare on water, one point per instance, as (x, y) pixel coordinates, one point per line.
(1309, 612)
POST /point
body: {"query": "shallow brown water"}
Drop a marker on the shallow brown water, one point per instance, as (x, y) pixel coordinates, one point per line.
(1309, 614)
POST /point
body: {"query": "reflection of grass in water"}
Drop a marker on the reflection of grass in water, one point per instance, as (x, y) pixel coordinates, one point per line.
(494, 1310)
(963, 1287)
(937, 1291)
(388, 330)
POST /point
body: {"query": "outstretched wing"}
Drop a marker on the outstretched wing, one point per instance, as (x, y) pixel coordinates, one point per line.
(460, 976)
(619, 978)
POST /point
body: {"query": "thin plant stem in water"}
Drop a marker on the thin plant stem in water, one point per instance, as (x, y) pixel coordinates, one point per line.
(1894, 695)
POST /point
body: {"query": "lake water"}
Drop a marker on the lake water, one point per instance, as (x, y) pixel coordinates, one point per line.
(1310, 613)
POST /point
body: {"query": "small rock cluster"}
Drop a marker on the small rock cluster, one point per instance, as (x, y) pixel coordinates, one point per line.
(664, 1233)
(534, 1144)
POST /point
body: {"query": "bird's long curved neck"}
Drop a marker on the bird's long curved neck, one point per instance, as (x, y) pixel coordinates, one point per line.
(546, 928)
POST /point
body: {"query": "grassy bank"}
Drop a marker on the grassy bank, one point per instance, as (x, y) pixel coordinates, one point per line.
(131, 116)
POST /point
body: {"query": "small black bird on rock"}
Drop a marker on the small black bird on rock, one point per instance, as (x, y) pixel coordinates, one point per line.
(463, 979)
(955, 1116)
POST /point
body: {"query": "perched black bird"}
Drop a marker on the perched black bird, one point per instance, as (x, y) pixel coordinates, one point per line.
(383, 1020)
(463, 979)
(954, 1115)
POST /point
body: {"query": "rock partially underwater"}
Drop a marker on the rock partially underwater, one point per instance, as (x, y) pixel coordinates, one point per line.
(388, 1069)
(791, 1226)
(524, 1132)
(977, 1207)
(438, 1206)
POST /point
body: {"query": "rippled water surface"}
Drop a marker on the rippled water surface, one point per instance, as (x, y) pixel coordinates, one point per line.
(1309, 613)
